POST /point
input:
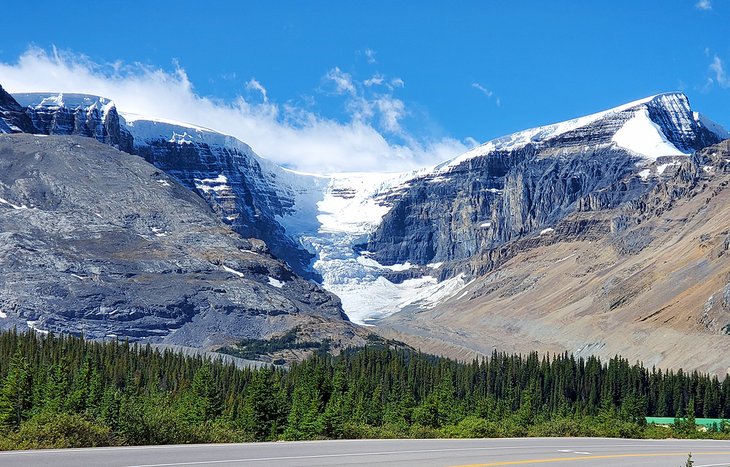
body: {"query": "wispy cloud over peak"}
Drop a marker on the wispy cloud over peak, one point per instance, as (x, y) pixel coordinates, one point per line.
(717, 67)
(371, 139)
(254, 85)
(487, 92)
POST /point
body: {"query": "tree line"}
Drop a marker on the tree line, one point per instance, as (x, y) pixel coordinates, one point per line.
(62, 391)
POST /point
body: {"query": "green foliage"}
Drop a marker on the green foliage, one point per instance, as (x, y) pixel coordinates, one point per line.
(61, 430)
(253, 349)
(15, 393)
(61, 391)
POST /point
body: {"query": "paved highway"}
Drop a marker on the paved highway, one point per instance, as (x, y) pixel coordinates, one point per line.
(581, 452)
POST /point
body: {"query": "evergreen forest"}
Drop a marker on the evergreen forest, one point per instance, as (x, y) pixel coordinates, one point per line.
(64, 391)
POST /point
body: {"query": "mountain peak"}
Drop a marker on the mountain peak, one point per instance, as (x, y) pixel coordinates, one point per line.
(665, 119)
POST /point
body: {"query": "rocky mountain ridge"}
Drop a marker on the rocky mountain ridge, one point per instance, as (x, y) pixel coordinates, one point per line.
(647, 279)
(98, 242)
(240, 186)
(413, 236)
(429, 255)
(526, 182)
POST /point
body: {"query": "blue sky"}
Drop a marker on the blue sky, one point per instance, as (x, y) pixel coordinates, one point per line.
(371, 85)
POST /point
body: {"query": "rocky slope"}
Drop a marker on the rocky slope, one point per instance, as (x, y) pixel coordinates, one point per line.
(13, 118)
(96, 241)
(598, 235)
(246, 191)
(648, 280)
(528, 181)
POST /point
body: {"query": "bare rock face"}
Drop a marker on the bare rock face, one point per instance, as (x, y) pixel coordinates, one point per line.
(240, 186)
(648, 279)
(77, 114)
(12, 116)
(236, 183)
(528, 182)
(100, 242)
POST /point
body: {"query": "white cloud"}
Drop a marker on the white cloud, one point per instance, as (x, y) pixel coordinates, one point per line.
(254, 85)
(487, 92)
(397, 83)
(285, 133)
(370, 56)
(391, 112)
(481, 88)
(718, 69)
(376, 80)
(342, 81)
(703, 5)
(379, 79)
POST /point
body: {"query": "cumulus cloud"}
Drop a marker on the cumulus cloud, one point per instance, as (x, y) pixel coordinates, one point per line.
(703, 5)
(285, 133)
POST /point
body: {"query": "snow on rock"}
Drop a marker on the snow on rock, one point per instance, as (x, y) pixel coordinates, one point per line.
(369, 300)
(365, 260)
(716, 128)
(233, 271)
(68, 100)
(535, 135)
(547, 231)
(644, 174)
(14, 206)
(33, 325)
(644, 137)
(3, 314)
(662, 167)
(275, 283)
(218, 185)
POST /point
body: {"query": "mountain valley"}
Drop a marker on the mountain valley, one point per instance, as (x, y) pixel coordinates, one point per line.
(601, 235)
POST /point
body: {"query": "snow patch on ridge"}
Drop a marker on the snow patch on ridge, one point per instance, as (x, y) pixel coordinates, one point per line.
(275, 283)
(535, 135)
(233, 271)
(642, 136)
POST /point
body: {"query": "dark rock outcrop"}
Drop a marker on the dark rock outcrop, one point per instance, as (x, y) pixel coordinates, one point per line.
(77, 114)
(12, 116)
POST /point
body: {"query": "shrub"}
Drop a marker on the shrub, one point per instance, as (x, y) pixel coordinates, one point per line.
(60, 430)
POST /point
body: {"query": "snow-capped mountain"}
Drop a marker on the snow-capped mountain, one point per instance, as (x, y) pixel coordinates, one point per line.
(386, 242)
(527, 181)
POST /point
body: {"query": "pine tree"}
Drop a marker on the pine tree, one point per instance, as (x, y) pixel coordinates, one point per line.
(15, 394)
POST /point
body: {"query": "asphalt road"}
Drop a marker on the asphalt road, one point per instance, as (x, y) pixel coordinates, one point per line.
(422, 453)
